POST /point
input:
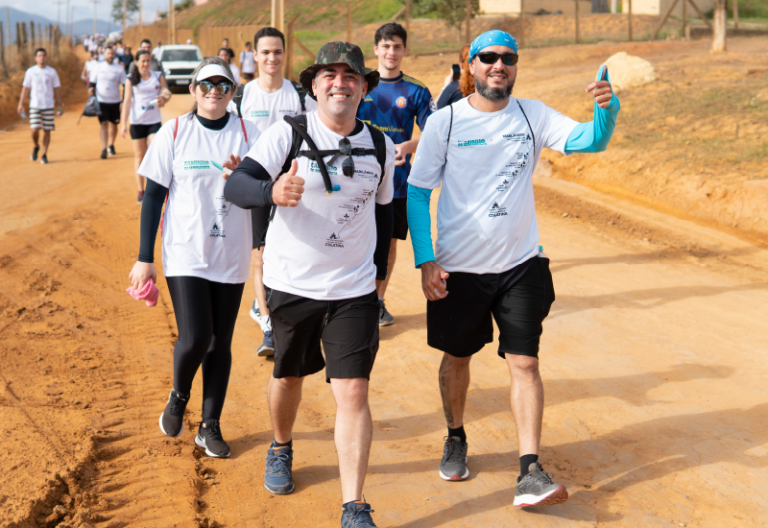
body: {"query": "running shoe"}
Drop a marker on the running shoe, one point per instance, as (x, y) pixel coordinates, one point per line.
(267, 347)
(538, 489)
(453, 466)
(357, 515)
(255, 313)
(209, 438)
(35, 150)
(278, 477)
(172, 419)
(44, 159)
(140, 197)
(103, 154)
(385, 318)
(112, 150)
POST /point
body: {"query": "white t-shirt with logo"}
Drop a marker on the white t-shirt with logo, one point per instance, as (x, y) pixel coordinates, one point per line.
(204, 235)
(142, 112)
(41, 82)
(323, 248)
(108, 79)
(247, 61)
(263, 109)
(486, 218)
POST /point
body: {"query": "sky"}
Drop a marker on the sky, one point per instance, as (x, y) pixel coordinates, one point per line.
(84, 8)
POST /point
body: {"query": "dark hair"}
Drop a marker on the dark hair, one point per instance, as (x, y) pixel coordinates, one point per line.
(247, 43)
(205, 62)
(229, 52)
(147, 41)
(38, 50)
(135, 76)
(268, 32)
(389, 30)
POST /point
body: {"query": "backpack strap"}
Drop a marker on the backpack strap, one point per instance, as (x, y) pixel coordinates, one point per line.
(313, 153)
(448, 141)
(533, 136)
(245, 133)
(302, 95)
(380, 146)
(238, 99)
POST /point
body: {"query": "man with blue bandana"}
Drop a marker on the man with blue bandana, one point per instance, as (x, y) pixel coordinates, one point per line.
(482, 152)
(392, 107)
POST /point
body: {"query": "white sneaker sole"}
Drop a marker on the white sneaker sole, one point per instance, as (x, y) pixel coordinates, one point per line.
(557, 496)
(200, 442)
(454, 477)
(160, 422)
(265, 352)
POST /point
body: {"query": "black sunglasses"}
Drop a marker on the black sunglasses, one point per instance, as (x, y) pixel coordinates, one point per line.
(348, 165)
(489, 57)
(222, 87)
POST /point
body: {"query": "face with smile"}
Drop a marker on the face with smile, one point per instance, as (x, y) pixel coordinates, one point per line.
(339, 90)
(270, 55)
(390, 53)
(494, 81)
(212, 105)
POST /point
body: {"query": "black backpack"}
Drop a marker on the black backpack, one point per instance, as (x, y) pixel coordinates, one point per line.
(238, 97)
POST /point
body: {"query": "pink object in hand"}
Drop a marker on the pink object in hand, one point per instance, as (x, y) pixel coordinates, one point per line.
(149, 293)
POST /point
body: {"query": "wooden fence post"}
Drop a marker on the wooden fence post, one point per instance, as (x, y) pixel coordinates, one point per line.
(31, 36)
(290, 57)
(629, 20)
(578, 40)
(685, 19)
(735, 14)
(664, 19)
(522, 23)
(349, 20)
(407, 16)
(469, 22)
(2, 51)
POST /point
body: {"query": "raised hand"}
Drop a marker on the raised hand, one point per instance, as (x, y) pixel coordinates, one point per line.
(433, 283)
(229, 166)
(601, 88)
(288, 188)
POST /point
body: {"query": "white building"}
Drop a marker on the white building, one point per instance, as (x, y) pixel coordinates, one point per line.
(512, 7)
(659, 7)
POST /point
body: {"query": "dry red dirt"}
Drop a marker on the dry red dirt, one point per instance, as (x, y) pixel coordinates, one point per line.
(653, 361)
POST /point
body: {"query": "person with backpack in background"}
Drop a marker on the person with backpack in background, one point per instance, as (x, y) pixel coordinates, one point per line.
(205, 244)
(41, 83)
(263, 103)
(330, 177)
(392, 108)
(247, 63)
(143, 101)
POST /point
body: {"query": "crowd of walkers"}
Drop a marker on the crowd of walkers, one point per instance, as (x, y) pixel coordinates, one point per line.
(308, 187)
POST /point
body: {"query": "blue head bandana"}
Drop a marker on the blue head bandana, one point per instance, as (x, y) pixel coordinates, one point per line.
(494, 37)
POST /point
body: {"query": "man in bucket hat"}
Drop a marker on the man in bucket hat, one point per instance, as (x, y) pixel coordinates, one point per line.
(326, 245)
(488, 264)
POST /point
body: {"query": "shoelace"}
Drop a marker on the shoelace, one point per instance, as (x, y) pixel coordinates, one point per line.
(539, 476)
(177, 405)
(366, 520)
(278, 464)
(454, 452)
(213, 431)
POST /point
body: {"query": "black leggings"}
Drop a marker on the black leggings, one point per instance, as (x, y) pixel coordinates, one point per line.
(206, 312)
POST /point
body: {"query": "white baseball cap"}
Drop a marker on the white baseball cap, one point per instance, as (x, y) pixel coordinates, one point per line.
(213, 70)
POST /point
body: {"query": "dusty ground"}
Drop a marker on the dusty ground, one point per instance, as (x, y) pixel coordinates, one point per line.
(653, 361)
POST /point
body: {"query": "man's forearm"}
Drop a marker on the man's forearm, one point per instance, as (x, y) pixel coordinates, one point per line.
(420, 224)
(595, 135)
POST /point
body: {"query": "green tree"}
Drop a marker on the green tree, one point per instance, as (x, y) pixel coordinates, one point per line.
(454, 12)
(131, 9)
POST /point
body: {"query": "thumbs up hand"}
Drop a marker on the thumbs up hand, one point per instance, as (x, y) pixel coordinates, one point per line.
(601, 88)
(288, 188)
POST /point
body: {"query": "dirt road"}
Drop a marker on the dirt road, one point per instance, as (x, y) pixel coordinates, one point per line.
(653, 359)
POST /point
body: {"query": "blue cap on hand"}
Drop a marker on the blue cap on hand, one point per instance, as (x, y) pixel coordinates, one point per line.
(494, 37)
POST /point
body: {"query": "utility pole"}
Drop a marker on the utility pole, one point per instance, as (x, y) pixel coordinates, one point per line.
(468, 8)
(125, 8)
(58, 10)
(407, 16)
(578, 40)
(94, 14)
(141, 26)
(522, 23)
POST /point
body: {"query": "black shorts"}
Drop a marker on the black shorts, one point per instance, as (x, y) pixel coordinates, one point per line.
(259, 225)
(348, 329)
(110, 112)
(143, 131)
(519, 300)
(400, 228)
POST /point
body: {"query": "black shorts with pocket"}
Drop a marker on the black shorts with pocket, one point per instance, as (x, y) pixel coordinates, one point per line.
(348, 330)
(109, 112)
(400, 227)
(143, 131)
(518, 299)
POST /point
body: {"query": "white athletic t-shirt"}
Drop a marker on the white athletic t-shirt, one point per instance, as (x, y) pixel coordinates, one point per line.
(247, 61)
(263, 109)
(41, 82)
(203, 234)
(323, 248)
(90, 69)
(142, 112)
(108, 79)
(486, 218)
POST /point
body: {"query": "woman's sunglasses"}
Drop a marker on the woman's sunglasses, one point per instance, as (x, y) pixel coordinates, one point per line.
(222, 87)
(489, 57)
(348, 165)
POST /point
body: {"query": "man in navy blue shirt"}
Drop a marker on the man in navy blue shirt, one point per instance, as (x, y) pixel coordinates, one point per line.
(392, 108)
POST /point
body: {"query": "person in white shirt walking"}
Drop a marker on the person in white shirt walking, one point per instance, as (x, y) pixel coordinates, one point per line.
(330, 176)
(205, 244)
(109, 76)
(481, 151)
(263, 103)
(225, 54)
(41, 83)
(143, 100)
(247, 63)
(88, 70)
(156, 51)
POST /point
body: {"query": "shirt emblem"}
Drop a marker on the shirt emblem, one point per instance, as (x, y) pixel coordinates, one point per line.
(401, 102)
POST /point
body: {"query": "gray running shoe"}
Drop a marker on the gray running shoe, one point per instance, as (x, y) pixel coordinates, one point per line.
(209, 438)
(172, 419)
(278, 473)
(357, 515)
(453, 466)
(267, 347)
(35, 150)
(385, 318)
(537, 489)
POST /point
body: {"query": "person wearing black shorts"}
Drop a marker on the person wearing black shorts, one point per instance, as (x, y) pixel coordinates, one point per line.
(108, 77)
(488, 265)
(326, 246)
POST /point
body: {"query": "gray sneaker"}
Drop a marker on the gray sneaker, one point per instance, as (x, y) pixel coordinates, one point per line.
(453, 466)
(385, 318)
(537, 489)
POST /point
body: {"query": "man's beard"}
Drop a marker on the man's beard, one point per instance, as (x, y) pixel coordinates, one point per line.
(493, 94)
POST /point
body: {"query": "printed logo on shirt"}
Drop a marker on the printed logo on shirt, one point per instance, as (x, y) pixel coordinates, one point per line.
(197, 165)
(334, 241)
(332, 171)
(287, 112)
(473, 142)
(259, 113)
(401, 102)
(505, 185)
(387, 129)
(217, 231)
(497, 210)
(518, 137)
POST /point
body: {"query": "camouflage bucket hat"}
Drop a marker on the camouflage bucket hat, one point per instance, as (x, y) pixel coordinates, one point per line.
(335, 53)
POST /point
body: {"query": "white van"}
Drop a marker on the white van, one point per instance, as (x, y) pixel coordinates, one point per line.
(178, 61)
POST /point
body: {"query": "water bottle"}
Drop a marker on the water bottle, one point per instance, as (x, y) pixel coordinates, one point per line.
(23, 114)
(541, 253)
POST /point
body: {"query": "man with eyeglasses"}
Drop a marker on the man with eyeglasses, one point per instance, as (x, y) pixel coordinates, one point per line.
(326, 246)
(482, 152)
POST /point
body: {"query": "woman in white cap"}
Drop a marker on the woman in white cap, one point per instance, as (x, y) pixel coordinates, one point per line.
(206, 243)
(143, 100)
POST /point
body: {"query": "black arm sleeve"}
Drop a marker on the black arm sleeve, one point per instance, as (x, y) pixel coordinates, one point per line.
(249, 186)
(385, 220)
(151, 213)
